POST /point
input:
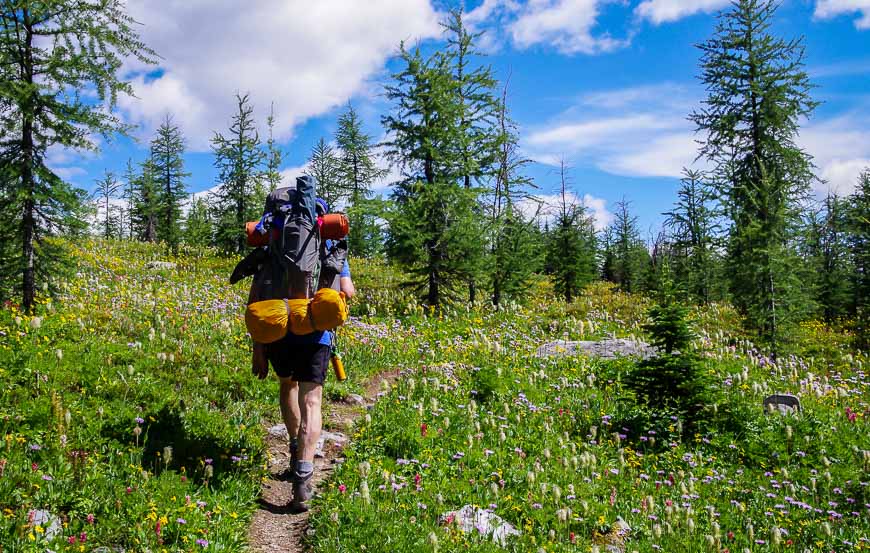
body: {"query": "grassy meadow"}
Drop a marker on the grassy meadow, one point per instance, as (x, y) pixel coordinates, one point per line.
(129, 416)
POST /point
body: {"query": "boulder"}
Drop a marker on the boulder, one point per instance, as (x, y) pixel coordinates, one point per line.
(784, 403)
(604, 349)
(474, 519)
(160, 265)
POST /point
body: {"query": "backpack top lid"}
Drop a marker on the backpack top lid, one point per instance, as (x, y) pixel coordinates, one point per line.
(294, 201)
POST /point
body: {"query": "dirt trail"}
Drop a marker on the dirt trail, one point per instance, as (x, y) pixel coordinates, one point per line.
(274, 527)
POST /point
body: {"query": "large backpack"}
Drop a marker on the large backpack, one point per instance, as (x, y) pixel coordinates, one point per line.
(298, 261)
(293, 265)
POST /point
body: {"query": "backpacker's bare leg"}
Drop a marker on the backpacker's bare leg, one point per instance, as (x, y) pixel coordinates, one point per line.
(288, 398)
(310, 399)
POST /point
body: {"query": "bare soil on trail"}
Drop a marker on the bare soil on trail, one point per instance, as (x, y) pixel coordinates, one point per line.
(275, 528)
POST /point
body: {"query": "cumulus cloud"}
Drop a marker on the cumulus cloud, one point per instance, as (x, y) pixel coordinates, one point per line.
(567, 25)
(827, 9)
(307, 57)
(666, 11)
(841, 150)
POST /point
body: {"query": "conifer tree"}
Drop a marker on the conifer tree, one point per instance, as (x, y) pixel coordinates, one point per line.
(693, 226)
(50, 52)
(197, 224)
(326, 168)
(129, 196)
(167, 164)
(359, 171)
(107, 187)
(274, 155)
(758, 92)
(571, 250)
(515, 246)
(434, 226)
(829, 267)
(626, 258)
(859, 244)
(477, 136)
(239, 160)
(146, 206)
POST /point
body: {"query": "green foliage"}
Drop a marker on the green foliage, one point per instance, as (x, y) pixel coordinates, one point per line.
(240, 194)
(758, 93)
(145, 202)
(626, 258)
(672, 380)
(42, 108)
(167, 168)
(692, 223)
(198, 227)
(324, 165)
(828, 261)
(859, 245)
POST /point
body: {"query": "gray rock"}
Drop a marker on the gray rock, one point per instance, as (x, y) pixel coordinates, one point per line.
(786, 404)
(160, 265)
(355, 399)
(49, 522)
(604, 349)
(337, 438)
(474, 519)
(104, 549)
(278, 431)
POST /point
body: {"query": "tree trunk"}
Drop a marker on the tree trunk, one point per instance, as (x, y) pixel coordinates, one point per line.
(28, 222)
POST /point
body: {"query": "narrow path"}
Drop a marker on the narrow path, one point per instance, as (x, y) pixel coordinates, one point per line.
(274, 527)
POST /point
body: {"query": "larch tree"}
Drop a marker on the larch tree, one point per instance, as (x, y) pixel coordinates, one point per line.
(628, 260)
(326, 168)
(693, 228)
(146, 206)
(515, 248)
(107, 187)
(828, 264)
(167, 164)
(198, 228)
(758, 92)
(432, 227)
(359, 172)
(239, 161)
(476, 135)
(859, 245)
(56, 56)
(571, 243)
(274, 155)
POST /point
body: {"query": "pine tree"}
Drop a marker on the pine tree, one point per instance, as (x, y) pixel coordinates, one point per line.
(326, 168)
(107, 187)
(50, 52)
(571, 249)
(146, 205)
(477, 135)
(829, 268)
(757, 94)
(515, 246)
(693, 227)
(167, 163)
(627, 259)
(197, 225)
(274, 155)
(239, 161)
(434, 228)
(859, 245)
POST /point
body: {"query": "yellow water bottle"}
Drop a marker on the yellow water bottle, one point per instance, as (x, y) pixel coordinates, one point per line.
(338, 366)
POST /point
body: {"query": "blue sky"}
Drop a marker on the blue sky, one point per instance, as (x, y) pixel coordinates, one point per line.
(604, 84)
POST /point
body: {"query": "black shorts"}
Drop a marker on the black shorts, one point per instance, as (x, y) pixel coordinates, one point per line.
(301, 362)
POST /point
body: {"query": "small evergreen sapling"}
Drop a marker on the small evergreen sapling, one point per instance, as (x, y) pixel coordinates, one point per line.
(672, 380)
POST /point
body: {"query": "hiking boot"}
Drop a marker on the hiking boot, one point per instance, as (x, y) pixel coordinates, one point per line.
(302, 492)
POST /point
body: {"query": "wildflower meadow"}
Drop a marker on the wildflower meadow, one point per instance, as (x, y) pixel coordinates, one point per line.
(130, 420)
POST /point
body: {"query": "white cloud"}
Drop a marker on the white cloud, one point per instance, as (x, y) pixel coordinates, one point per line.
(666, 11)
(567, 25)
(307, 57)
(546, 206)
(639, 131)
(827, 9)
(840, 148)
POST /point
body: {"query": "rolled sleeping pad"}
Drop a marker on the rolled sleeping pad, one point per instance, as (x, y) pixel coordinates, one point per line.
(270, 320)
(334, 226)
(254, 238)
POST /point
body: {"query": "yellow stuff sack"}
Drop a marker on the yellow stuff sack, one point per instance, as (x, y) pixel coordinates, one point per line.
(268, 320)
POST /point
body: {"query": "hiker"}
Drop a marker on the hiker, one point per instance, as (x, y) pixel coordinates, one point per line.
(301, 361)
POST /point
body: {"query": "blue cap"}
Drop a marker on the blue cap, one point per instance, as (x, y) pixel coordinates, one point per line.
(322, 206)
